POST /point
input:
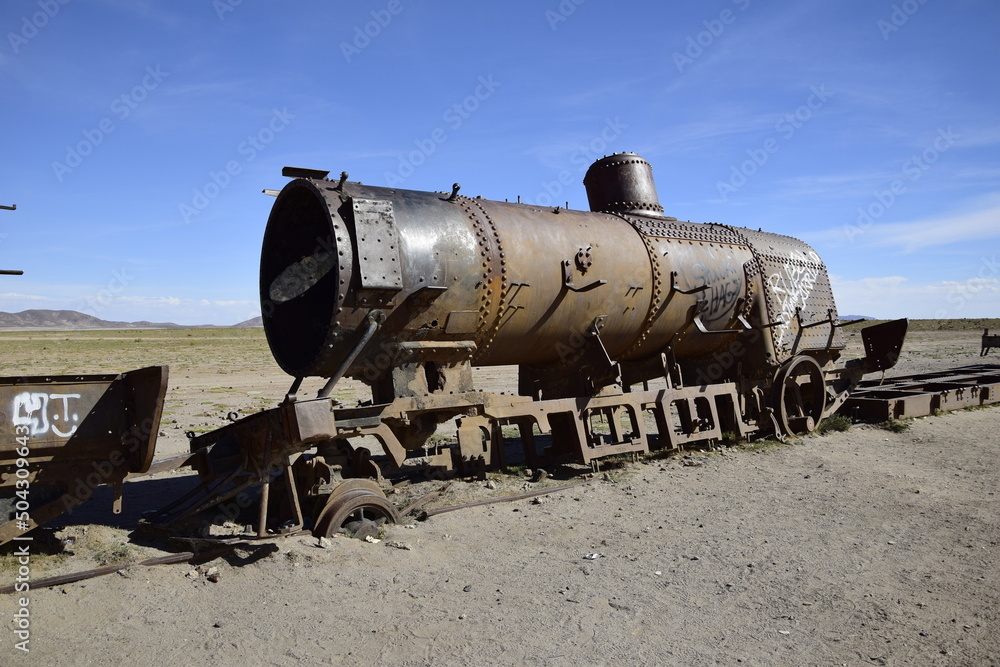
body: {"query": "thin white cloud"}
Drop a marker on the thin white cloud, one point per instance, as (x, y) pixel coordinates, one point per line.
(978, 222)
(988, 135)
(153, 300)
(897, 296)
(979, 225)
(830, 186)
(145, 9)
(24, 297)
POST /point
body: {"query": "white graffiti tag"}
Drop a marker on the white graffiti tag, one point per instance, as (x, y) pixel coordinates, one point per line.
(43, 413)
(791, 288)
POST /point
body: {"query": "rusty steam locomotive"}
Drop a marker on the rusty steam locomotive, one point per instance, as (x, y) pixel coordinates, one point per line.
(631, 331)
(407, 291)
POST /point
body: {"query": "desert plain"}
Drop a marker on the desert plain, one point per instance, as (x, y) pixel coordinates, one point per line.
(868, 546)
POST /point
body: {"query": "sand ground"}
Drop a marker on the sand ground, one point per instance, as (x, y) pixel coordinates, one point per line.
(862, 547)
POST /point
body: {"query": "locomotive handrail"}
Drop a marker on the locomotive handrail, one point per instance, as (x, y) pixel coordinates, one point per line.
(828, 320)
(849, 322)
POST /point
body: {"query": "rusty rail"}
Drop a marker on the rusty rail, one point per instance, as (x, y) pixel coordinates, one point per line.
(182, 557)
(503, 499)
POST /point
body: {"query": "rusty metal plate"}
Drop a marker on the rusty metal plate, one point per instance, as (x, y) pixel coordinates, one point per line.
(66, 435)
(308, 421)
(82, 417)
(925, 393)
(462, 321)
(377, 244)
(797, 293)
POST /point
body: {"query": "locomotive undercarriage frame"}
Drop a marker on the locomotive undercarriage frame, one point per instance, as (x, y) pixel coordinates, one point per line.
(583, 410)
(300, 455)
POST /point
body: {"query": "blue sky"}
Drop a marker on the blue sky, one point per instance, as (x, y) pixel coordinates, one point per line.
(139, 135)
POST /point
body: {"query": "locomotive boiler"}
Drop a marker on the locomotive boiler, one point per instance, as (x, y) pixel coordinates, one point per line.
(408, 290)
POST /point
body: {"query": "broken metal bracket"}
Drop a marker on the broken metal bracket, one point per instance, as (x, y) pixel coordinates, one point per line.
(745, 326)
(290, 396)
(674, 287)
(567, 269)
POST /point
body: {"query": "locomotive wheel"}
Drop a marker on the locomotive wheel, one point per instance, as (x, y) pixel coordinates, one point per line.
(357, 506)
(799, 395)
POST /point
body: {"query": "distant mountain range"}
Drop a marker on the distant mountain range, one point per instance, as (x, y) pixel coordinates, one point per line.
(71, 319)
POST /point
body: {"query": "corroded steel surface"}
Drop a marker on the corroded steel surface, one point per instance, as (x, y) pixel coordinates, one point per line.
(925, 394)
(989, 342)
(63, 436)
(452, 268)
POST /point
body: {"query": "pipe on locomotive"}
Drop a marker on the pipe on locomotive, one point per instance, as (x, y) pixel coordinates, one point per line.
(522, 284)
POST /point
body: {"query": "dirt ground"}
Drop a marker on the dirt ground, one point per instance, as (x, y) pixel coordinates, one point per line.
(862, 547)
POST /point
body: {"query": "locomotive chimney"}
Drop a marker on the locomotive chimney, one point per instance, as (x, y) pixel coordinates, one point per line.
(622, 183)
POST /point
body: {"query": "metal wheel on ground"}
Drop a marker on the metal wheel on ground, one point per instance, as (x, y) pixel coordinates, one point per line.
(799, 395)
(357, 507)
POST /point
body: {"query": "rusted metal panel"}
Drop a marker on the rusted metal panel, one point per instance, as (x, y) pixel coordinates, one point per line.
(797, 295)
(924, 394)
(63, 436)
(377, 250)
(989, 342)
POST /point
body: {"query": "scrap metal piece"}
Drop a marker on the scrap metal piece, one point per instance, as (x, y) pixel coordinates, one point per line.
(378, 251)
(182, 557)
(63, 436)
(925, 393)
(989, 342)
(883, 344)
(302, 172)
